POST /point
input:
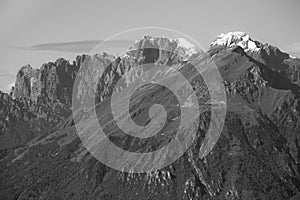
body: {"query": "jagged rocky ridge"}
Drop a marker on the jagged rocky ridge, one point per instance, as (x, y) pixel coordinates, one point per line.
(40, 100)
(256, 157)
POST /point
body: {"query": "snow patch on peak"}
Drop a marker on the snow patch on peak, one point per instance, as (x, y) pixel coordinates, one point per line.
(237, 38)
(145, 37)
(188, 48)
(184, 43)
(181, 46)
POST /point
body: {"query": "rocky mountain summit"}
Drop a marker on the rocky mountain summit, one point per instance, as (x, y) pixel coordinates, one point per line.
(256, 157)
(40, 100)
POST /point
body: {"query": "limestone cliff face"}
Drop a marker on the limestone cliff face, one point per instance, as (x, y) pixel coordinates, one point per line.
(40, 100)
(51, 83)
(21, 120)
(256, 157)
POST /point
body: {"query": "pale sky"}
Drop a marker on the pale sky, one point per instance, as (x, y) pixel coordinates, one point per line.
(34, 22)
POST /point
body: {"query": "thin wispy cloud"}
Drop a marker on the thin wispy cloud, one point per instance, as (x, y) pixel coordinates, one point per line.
(78, 46)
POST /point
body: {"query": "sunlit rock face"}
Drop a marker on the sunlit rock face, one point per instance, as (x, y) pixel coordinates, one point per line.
(39, 101)
(256, 157)
(52, 82)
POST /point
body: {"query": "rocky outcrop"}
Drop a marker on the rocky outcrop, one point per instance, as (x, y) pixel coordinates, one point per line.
(256, 157)
(53, 82)
(21, 120)
(40, 100)
(258, 152)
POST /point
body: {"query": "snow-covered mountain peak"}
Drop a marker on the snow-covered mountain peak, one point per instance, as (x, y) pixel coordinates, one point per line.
(237, 38)
(179, 45)
(187, 47)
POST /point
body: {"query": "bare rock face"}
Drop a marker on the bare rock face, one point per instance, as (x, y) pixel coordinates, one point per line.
(21, 120)
(261, 130)
(256, 157)
(52, 82)
(40, 100)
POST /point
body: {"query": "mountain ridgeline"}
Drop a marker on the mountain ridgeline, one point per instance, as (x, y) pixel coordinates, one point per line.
(256, 157)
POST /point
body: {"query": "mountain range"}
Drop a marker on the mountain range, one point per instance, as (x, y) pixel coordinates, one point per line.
(256, 157)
